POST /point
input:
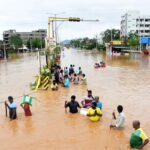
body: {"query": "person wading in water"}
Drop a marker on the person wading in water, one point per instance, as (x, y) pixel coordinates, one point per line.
(12, 108)
(73, 105)
(138, 138)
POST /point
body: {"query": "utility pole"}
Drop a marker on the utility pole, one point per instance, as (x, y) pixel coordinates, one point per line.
(39, 60)
(111, 35)
(30, 45)
(96, 43)
(53, 32)
(5, 57)
(55, 29)
(140, 36)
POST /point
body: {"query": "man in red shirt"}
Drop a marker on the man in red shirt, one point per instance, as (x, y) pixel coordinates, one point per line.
(87, 100)
(26, 108)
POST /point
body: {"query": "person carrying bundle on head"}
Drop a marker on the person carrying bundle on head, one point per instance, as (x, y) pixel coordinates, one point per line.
(26, 103)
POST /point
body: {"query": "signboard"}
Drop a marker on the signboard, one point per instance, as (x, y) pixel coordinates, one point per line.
(117, 42)
(49, 42)
(145, 40)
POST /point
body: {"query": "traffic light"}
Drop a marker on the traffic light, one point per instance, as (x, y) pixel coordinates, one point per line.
(74, 19)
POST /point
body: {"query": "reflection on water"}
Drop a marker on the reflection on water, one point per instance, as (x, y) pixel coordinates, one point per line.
(124, 81)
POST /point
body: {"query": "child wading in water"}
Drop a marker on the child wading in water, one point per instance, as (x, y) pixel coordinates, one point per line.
(84, 81)
(54, 86)
(76, 79)
(66, 81)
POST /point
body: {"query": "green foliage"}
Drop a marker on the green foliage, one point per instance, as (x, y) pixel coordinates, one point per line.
(87, 43)
(15, 42)
(57, 50)
(101, 47)
(113, 33)
(35, 43)
(133, 40)
(33, 85)
(12, 50)
(1, 42)
(84, 43)
(44, 73)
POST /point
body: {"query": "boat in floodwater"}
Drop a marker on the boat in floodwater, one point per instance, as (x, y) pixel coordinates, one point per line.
(146, 52)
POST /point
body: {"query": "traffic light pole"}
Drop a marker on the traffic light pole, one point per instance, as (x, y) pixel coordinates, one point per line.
(71, 19)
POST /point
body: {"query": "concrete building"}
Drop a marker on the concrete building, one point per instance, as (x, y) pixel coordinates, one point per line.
(41, 33)
(132, 22)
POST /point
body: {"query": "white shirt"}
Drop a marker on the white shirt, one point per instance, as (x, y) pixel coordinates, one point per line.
(120, 120)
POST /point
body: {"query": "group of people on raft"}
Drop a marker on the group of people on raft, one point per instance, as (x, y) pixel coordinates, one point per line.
(67, 75)
(94, 111)
(98, 65)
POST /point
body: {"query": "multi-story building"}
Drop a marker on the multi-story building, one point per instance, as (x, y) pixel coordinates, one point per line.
(132, 22)
(41, 33)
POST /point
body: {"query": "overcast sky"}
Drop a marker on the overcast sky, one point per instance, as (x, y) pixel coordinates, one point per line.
(27, 15)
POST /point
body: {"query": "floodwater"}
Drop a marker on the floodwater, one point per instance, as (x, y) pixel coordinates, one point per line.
(125, 81)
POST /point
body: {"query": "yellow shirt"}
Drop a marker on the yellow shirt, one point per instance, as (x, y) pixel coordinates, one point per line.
(91, 111)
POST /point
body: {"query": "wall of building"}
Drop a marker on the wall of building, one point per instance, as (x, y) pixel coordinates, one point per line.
(132, 22)
(41, 33)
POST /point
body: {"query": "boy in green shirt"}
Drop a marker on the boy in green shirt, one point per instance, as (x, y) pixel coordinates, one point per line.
(138, 138)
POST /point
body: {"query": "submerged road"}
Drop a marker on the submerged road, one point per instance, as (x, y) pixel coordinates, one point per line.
(125, 81)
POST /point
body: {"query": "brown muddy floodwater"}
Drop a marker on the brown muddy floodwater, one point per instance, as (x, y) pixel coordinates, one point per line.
(125, 81)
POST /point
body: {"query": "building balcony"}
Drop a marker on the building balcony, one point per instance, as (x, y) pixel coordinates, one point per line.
(144, 34)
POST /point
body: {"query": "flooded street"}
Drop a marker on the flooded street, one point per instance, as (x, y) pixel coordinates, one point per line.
(125, 81)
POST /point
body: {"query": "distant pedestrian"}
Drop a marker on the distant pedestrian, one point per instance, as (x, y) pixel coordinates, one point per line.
(80, 70)
(56, 75)
(70, 77)
(66, 71)
(61, 76)
(12, 108)
(84, 80)
(66, 81)
(76, 79)
(71, 69)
